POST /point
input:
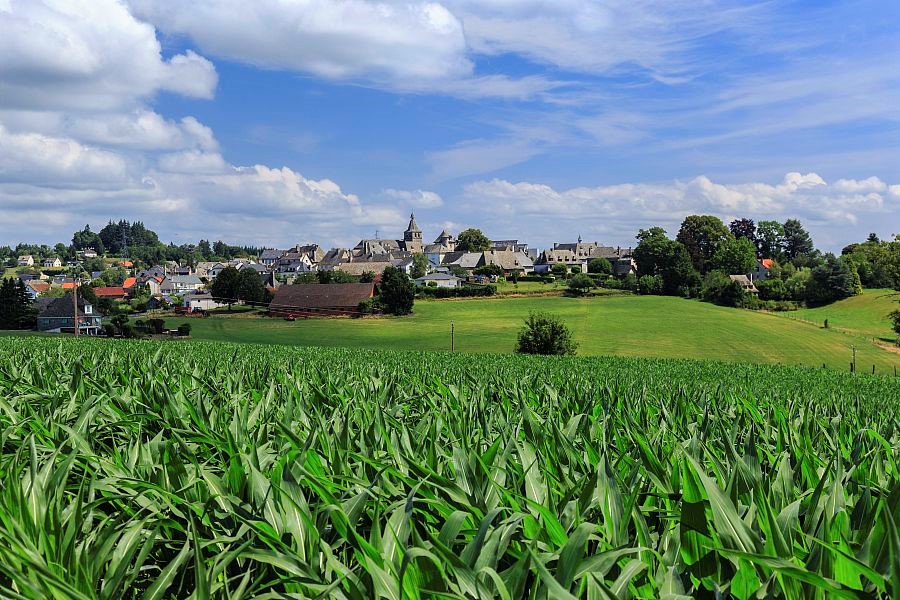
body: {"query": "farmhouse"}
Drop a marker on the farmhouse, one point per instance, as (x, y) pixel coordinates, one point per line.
(320, 300)
(763, 266)
(26, 260)
(745, 283)
(59, 316)
(52, 262)
(511, 261)
(200, 301)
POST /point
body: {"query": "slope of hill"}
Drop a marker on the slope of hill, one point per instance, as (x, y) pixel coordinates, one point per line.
(624, 326)
(865, 314)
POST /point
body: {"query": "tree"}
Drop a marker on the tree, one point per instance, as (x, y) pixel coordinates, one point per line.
(84, 239)
(658, 256)
(830, 281)
(472, 240)
(702, 235)
(397, 291)
(419, 266)
(720, 289)
(736, 257)
(797, 242)
(249, 286)
(16, 311)
(491, 270)
(651, 250)
(895, 321)
(770, 239)
(743, 228)
(224, 287)
(559, 270)
(600, 265)
(772, 288)
(546, 335)
(581, 284)
(650, 285)
(367, 277)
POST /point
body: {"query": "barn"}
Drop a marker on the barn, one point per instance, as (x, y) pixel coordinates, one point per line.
(320, 299)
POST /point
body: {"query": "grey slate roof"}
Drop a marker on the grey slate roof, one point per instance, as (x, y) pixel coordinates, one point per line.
(62, 307)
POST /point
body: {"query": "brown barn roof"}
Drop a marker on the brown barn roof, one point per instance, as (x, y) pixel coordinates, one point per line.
(317, 295)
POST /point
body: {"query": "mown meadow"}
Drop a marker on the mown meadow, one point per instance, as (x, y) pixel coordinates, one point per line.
(210, 470)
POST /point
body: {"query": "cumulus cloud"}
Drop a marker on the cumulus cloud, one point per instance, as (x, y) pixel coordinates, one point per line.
(58, 55)
(618, 210)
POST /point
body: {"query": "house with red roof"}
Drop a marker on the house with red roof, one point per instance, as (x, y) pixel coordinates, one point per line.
(114, 292)
(763, 266)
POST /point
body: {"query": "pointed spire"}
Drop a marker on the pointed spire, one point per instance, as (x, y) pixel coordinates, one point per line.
(412, 224)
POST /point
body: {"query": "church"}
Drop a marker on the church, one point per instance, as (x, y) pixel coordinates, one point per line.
(411, 243)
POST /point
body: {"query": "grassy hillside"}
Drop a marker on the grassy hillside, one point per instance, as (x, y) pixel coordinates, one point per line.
(865, 314)
(624, 326)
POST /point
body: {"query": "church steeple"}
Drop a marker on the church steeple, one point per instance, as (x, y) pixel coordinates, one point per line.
(412, 233)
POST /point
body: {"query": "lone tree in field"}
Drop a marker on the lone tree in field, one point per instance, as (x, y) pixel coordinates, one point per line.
(545, 334)
(472, 240)
(397, 291)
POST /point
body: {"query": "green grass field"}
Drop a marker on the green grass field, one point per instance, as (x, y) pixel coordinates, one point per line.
(624, 326)
(865, 314)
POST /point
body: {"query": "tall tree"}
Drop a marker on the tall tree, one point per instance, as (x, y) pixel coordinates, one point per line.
(16, 311)
(832, 280)
(419, 266)
(736, 257)
(797, 241)
(249, 286)
(397, 291)
(770, 239)
(702, 235)
(224, 287)
(472, 240)
(743, 228)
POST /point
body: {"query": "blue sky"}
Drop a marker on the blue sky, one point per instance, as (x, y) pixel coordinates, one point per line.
(326, 120)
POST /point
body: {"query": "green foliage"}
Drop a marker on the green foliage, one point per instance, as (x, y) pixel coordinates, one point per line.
(224, 288)
(16, 311)
(145, 469)
(184, 329)
(798, 244)
(830, 281)
(334, 276)
(770, 239)
(720, 289)
(702, 236)
(559, 270)
(735, 257)
(772, 288)
(600, 265)
(489, 270)
(545, 334)
(472, 240)
(743, 229)
(419, 266)
(249, 286)
(895, 321)
(580, 284)
(367, 277)
(397, 292)
(650, 285)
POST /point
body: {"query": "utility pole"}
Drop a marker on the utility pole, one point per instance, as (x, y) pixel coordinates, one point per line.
(452, 338)
(854, 359)
(75, 304)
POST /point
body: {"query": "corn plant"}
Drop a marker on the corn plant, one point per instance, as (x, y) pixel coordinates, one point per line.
(200, 470)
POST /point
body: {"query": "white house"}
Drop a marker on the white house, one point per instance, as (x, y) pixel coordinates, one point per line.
(444, 280)
(763, 266)
(53, 262)
(179, 284)
(200, 301)
(26, 260)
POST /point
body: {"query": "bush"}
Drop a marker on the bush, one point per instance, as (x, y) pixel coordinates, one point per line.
(109, 330)
(581, 284)
(489, 270)
(370, 306)
(772, 289)
(397, 291)
(576, 269)
(650, 285)
(600, 266)
(545, 334)
(466, 291)
(718, 288)
(536, 278)
(184, 329)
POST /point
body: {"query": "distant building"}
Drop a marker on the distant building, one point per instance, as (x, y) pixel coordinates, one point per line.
(443, 280)
(26, 260)
(320, 300)
(745, 283)
(763, 266)
(113, 293)
(52, 262)
(59, 316)
(179, 284)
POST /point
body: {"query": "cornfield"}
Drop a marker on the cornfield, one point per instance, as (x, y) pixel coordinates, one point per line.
(192, 470)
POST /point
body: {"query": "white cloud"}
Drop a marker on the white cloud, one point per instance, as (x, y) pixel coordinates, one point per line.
(89, 56)
(619, 210)
(415, 198)
(351, 38)
(52, 160)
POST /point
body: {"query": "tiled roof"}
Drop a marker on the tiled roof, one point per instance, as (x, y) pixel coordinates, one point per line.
(110, 292)
(129, 282)
(314, 295)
